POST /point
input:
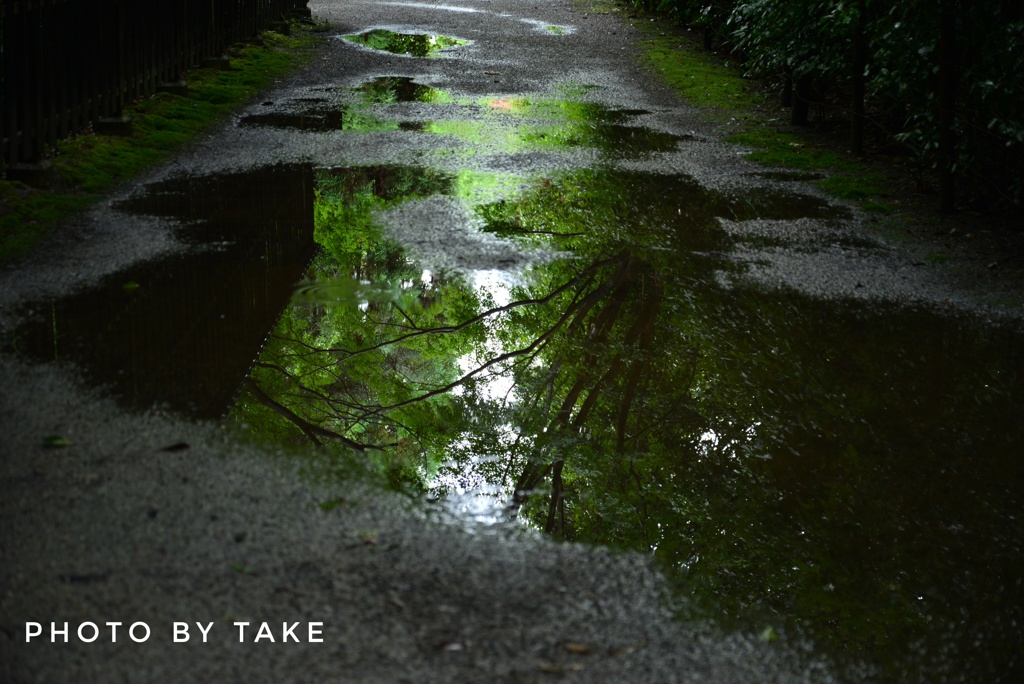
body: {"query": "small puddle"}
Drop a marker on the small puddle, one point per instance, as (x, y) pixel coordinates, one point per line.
(322, 119)
(610, 138)
(391, 89)
(517, 124)
(413, 44)
(320, 115)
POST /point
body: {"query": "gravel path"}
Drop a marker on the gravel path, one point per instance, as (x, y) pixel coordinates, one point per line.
(126, 524)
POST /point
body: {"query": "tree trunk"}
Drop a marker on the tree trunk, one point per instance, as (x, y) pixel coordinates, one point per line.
(802, 101)
(948, 81)
(786, 100)
(857, 82)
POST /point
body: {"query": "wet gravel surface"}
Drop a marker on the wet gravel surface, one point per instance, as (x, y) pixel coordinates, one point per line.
(150, 518)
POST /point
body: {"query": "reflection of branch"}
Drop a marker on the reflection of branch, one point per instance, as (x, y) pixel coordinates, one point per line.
(483, 316)
(641, 512)
(412, 323)
(537, 232)
(311, 430)
(557, 499)
(540, 341)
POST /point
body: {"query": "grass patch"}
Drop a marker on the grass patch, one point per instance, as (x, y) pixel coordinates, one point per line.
(786, 150)
(715, 84)
(88, 166)
(701, 79)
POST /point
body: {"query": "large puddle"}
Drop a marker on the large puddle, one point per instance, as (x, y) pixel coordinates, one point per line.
(846, 473)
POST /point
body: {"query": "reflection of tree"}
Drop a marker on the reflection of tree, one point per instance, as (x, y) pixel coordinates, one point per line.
(770, 450)
(572, 386)
(303, 386)
(418, 45)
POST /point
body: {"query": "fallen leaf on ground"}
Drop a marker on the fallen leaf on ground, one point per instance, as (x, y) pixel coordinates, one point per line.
(578, 649)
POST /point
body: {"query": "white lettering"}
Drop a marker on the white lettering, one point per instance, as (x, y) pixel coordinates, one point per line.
(264, 633)
(131, 632)
(95, 632)
(204, 631)
(29, 633)
(180, 632)
(54, 632)
(287, 631)
(113, 630)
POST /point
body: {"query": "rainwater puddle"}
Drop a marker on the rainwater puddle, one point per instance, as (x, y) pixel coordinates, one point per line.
(840, 472)
(625, 140)
(321, 115)
(391, 89)
(613, 140)
(512, 125)
(322, 119)
(415, 45)
(183, 331)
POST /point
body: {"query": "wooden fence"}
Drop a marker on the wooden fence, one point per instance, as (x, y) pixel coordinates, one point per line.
(66, 63)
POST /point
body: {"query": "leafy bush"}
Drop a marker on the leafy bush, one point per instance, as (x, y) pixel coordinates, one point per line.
(814, 41)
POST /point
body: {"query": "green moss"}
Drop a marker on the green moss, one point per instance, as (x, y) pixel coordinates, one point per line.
(87, 166)
(713, 83)
(27, 213)
(701, 79)
(854, 185)
(787, 150)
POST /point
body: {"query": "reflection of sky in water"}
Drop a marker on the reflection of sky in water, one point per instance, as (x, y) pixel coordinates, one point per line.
(470, 494)
(443, 8)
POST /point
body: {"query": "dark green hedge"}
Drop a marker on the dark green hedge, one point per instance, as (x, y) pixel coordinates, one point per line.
(945, 79)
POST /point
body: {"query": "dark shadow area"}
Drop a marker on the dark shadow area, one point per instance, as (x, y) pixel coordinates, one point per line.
(184, 331)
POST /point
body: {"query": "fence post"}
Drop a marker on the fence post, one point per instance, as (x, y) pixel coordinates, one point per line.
(67, 63)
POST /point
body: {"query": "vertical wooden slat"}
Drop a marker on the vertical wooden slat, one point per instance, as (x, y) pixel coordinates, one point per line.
(34, 76)
(49, 114)
(65, 63)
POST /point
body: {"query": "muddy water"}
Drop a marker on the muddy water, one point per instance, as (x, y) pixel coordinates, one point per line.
(846, 473)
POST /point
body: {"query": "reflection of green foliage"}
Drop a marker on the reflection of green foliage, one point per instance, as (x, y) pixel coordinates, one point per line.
(356, 121)
(567, 107)
(479, 187)
(509, 139)
(770, 453)
(624, 140)
(796, 463)
(353, 214)
(391, 89)
(327, 375)
(566, 121)
(417, 45)
(346, 202)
